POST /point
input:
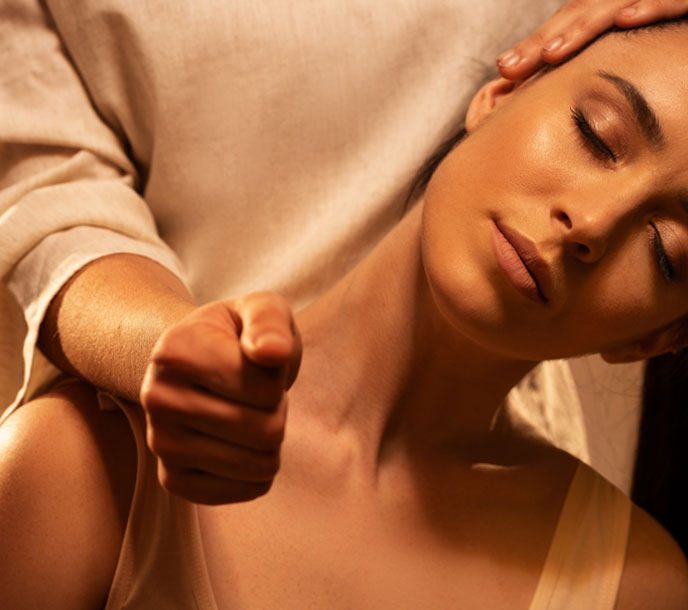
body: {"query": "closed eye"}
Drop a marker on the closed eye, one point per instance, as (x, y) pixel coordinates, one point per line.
(665, 267)
(590, 137)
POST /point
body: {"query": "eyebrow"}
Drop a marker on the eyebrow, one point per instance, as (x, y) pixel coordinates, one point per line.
(643, 113)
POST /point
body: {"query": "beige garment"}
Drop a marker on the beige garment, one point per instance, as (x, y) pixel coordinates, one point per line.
(243, 145)
(162, 564)
(586, 559)
(269, 144)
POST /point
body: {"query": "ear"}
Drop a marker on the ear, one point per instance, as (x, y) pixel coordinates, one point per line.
(658, 342)
(486, 100)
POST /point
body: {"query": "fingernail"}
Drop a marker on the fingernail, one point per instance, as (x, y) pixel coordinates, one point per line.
(271, 339)
(509, 59)
(553, 45)
(629, 11)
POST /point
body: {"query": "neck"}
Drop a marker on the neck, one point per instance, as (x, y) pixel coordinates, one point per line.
(386, 363)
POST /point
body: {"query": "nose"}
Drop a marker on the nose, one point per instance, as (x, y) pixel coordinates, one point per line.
(588, 228)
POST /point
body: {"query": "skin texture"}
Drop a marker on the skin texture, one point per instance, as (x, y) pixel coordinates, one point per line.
(590, 217)
(390, 475)
(215, 398)
(574, 25)
(430, 390)
(60, 497)
(83, 334)
(199, 376)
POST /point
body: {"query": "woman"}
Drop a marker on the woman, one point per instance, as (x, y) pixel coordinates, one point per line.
(565, 208)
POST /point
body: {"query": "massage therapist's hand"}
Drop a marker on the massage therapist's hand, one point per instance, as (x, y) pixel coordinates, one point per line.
(575, 24)
(214, 395)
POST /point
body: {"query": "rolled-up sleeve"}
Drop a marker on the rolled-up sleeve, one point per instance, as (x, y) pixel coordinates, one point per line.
(68, 190)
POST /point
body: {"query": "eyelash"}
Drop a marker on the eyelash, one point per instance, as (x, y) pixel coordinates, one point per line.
(590, 136)
(665, 267)
(593, 140)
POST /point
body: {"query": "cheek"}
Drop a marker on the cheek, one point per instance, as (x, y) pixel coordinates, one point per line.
(525, 156)
(547, 159)
(621, 300)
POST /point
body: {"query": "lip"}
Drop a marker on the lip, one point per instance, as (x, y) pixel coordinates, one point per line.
(521, 262)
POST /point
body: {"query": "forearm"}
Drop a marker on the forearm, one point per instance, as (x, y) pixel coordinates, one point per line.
(104, 322)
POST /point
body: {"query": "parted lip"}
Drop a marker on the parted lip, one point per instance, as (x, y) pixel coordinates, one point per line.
(528, 253)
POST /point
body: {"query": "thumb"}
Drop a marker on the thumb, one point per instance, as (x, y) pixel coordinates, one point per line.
(269, 336)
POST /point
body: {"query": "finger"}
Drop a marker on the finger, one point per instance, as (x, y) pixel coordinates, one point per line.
(269, 334)
(268, 328)
(522, 60)
(577, 34)
(208, 489)
(180, 450)
(187, 408)
(200, 356)
(649, 11)
(526, 56)
(573, 25)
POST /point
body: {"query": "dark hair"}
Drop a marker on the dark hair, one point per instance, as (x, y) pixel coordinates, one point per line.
(660, 478)
(423, 175)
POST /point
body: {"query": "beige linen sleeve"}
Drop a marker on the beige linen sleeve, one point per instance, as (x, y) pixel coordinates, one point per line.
(67, 188)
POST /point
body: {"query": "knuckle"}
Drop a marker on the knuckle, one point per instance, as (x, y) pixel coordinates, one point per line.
(171, 450)
(168, 480)
(272, 433)
(151, 438)
(168, 345)
(158, 401)
(582, 25)
(151, 396)
(157, 443)
(192, 345)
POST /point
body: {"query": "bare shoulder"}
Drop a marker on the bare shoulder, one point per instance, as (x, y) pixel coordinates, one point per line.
(656, 571)
(67, 471)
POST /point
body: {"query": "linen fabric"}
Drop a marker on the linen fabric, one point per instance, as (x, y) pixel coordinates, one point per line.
(241, 145)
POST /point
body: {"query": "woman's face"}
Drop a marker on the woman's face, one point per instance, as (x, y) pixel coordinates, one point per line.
(582, 173)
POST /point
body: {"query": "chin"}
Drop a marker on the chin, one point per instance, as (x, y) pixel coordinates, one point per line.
(477, 312)
(469, 310)
(467, 289)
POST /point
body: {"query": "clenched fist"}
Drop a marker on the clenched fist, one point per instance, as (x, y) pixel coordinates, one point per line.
(215, 400)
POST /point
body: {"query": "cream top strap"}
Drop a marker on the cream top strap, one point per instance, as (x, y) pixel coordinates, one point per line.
(586, 559)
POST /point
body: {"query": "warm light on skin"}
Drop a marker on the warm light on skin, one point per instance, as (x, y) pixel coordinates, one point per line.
(527, 164)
